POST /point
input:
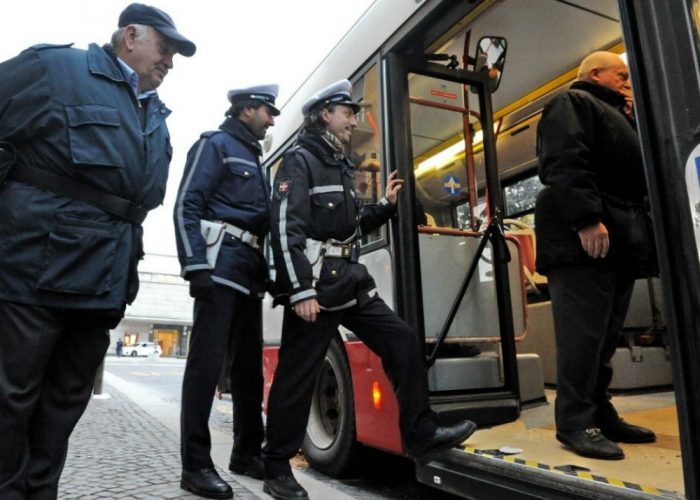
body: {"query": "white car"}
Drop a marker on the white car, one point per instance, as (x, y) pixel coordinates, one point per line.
(142, 349)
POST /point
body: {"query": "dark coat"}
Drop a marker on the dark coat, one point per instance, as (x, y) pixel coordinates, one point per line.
(223, 181)
(589, 153)
(314, 197)
(71, 112)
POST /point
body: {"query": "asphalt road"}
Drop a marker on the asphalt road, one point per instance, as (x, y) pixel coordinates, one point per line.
(382, 476)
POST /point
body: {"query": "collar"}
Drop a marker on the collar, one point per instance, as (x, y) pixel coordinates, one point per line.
(606, 94)
(133, 79)
(240, 131)
(321, 148)
(104, 61)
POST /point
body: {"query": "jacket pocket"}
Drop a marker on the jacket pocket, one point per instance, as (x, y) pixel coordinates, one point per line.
(325, 207)
(79, 257)
(245, 187)
(94, 135)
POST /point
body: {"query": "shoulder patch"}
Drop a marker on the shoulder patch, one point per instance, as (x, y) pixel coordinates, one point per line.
(282, 187)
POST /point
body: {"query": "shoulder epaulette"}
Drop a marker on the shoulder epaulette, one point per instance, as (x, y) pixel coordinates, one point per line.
(44, 46)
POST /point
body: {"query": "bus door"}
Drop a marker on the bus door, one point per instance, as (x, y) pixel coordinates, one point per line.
(458, 278)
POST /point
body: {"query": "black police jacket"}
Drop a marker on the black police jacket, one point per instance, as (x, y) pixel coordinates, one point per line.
(589, 154)
(314, 197)
(223, 181)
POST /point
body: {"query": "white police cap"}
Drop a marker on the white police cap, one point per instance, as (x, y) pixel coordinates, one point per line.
(264, 93)
(335, 93)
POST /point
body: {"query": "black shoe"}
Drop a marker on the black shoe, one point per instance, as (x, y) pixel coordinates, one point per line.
(250, 466)
(590, 443)
(285, 488)
(205, 483)
(622, 432)
(444, 438)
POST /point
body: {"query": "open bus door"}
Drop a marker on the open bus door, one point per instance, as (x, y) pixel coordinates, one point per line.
(457, 283)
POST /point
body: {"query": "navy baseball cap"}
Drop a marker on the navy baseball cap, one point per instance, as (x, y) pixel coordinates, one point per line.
(138, 13)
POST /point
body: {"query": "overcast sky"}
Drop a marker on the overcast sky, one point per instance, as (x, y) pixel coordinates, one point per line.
(239, 43)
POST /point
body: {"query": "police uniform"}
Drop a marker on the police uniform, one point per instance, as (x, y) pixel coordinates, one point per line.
(314, 204)
(68, 267)
(223, 182)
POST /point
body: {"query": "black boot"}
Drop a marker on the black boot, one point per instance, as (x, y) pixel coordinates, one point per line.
(622, 432)
(590, 443)
(249, 465)
(285, 488)
(442, 439)
(205, 483)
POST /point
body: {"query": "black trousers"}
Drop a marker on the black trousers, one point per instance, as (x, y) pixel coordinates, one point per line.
(589, 306)
(301, 355)
(48, 361)
(231, 323)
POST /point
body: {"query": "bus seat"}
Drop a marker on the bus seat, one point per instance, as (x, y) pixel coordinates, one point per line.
(525, 235)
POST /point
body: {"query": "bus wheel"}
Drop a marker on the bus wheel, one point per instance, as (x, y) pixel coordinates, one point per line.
(330, 445)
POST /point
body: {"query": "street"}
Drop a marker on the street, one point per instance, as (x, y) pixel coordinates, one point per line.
(382, 476)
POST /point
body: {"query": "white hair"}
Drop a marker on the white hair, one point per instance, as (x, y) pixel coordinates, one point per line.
(597, 60)
(118, 36)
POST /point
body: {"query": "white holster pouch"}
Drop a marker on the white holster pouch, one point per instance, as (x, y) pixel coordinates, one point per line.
(213, 234)
(314, 252)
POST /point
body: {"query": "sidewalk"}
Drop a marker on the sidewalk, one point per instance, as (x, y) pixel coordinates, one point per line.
(110, 457)
(127, 446)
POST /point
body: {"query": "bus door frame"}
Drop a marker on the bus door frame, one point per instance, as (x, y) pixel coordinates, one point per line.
(661, 39)
(397, 66)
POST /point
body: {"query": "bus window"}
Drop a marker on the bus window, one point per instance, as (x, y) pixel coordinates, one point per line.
(365, 149)
(521, 195)
(464, 216)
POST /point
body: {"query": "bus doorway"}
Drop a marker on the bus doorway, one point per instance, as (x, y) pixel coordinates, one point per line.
(462, 284)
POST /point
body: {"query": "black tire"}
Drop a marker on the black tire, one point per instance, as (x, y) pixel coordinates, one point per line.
(330, 444)
(133, 354)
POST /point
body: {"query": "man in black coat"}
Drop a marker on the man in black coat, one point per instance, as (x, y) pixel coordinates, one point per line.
(314, 210)
(592, 242)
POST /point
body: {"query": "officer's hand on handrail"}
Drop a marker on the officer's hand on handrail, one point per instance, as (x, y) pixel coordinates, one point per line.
(201, 285)
(595, 240)
(307, 310)
(393, 186)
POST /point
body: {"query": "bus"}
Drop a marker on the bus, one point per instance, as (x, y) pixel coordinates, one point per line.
(451, 95)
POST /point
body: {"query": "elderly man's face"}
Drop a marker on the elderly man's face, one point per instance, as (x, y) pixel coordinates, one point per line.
(614, 77)
(150, 55)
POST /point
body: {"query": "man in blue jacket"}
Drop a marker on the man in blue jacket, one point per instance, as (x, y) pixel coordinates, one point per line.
(92, 156)
(224, 202)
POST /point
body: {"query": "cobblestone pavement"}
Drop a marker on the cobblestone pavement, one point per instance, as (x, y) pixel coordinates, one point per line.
(118, 451)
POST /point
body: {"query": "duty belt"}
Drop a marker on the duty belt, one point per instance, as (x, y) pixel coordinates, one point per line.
(338, 250)
(245, 236)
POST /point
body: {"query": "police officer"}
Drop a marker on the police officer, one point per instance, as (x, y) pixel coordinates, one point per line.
(314, 212)
(92, 157)
(224, 198)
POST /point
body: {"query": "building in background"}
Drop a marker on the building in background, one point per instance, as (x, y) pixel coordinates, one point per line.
(162, 311)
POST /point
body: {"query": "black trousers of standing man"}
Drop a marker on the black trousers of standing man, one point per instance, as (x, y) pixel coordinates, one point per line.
(303, 348)
(233, 323)
(589, 306)
(48, 360)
